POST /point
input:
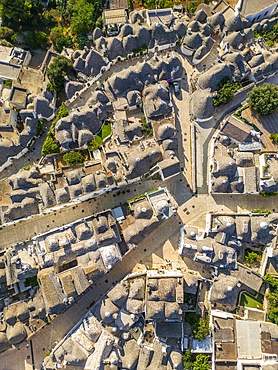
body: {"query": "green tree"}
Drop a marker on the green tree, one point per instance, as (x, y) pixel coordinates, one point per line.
(36, 39)
(270, 36)
(252, 257)
(272, 297)
(83, 15)
(272, 281)
(40, 127)
(49, 146)
(57, 70)
(191, 7)
(63, 111)
(60, 39)
(274, 137)
(203, 329)
(201, 362)
(273, 313)
(73, 158)
(99, 22)
(199, 325)
(82, 41)
(6, 33)
(93, 145)
(21, 15)
(151, 4)
(187, 360)
(264, 99)
(225, 92)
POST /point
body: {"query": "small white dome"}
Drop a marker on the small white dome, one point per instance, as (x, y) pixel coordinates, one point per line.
(263, 225)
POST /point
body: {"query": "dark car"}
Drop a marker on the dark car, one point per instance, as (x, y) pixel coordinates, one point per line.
(176, 87)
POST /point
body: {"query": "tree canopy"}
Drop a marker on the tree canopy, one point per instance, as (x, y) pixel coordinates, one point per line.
(225, 92)
(195, 362)
(82, 16)
(60, 38)
(264, 99)
(21, 14)
(57, 70)
(49, 146)
(252, 257)
(64, 22)
(73, 158)
(201, 363)
(272, 297)
(199, 325)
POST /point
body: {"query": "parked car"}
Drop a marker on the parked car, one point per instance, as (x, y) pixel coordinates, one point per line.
(176, 87)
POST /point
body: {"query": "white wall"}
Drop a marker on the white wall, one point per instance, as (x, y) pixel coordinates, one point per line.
(186, 51)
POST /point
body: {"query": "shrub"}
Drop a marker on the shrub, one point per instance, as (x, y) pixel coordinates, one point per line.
(8, 83)
(27, 167)
(201, 362)
(6, 33)
(252, 257)
(47, 353)
(260, 210)
(40, 127)
(62, 112)
(93, 145)
(269, 194)
(264, 99)
(73, 158)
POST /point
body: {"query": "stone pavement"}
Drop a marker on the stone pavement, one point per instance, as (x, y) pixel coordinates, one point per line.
(183, 127)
